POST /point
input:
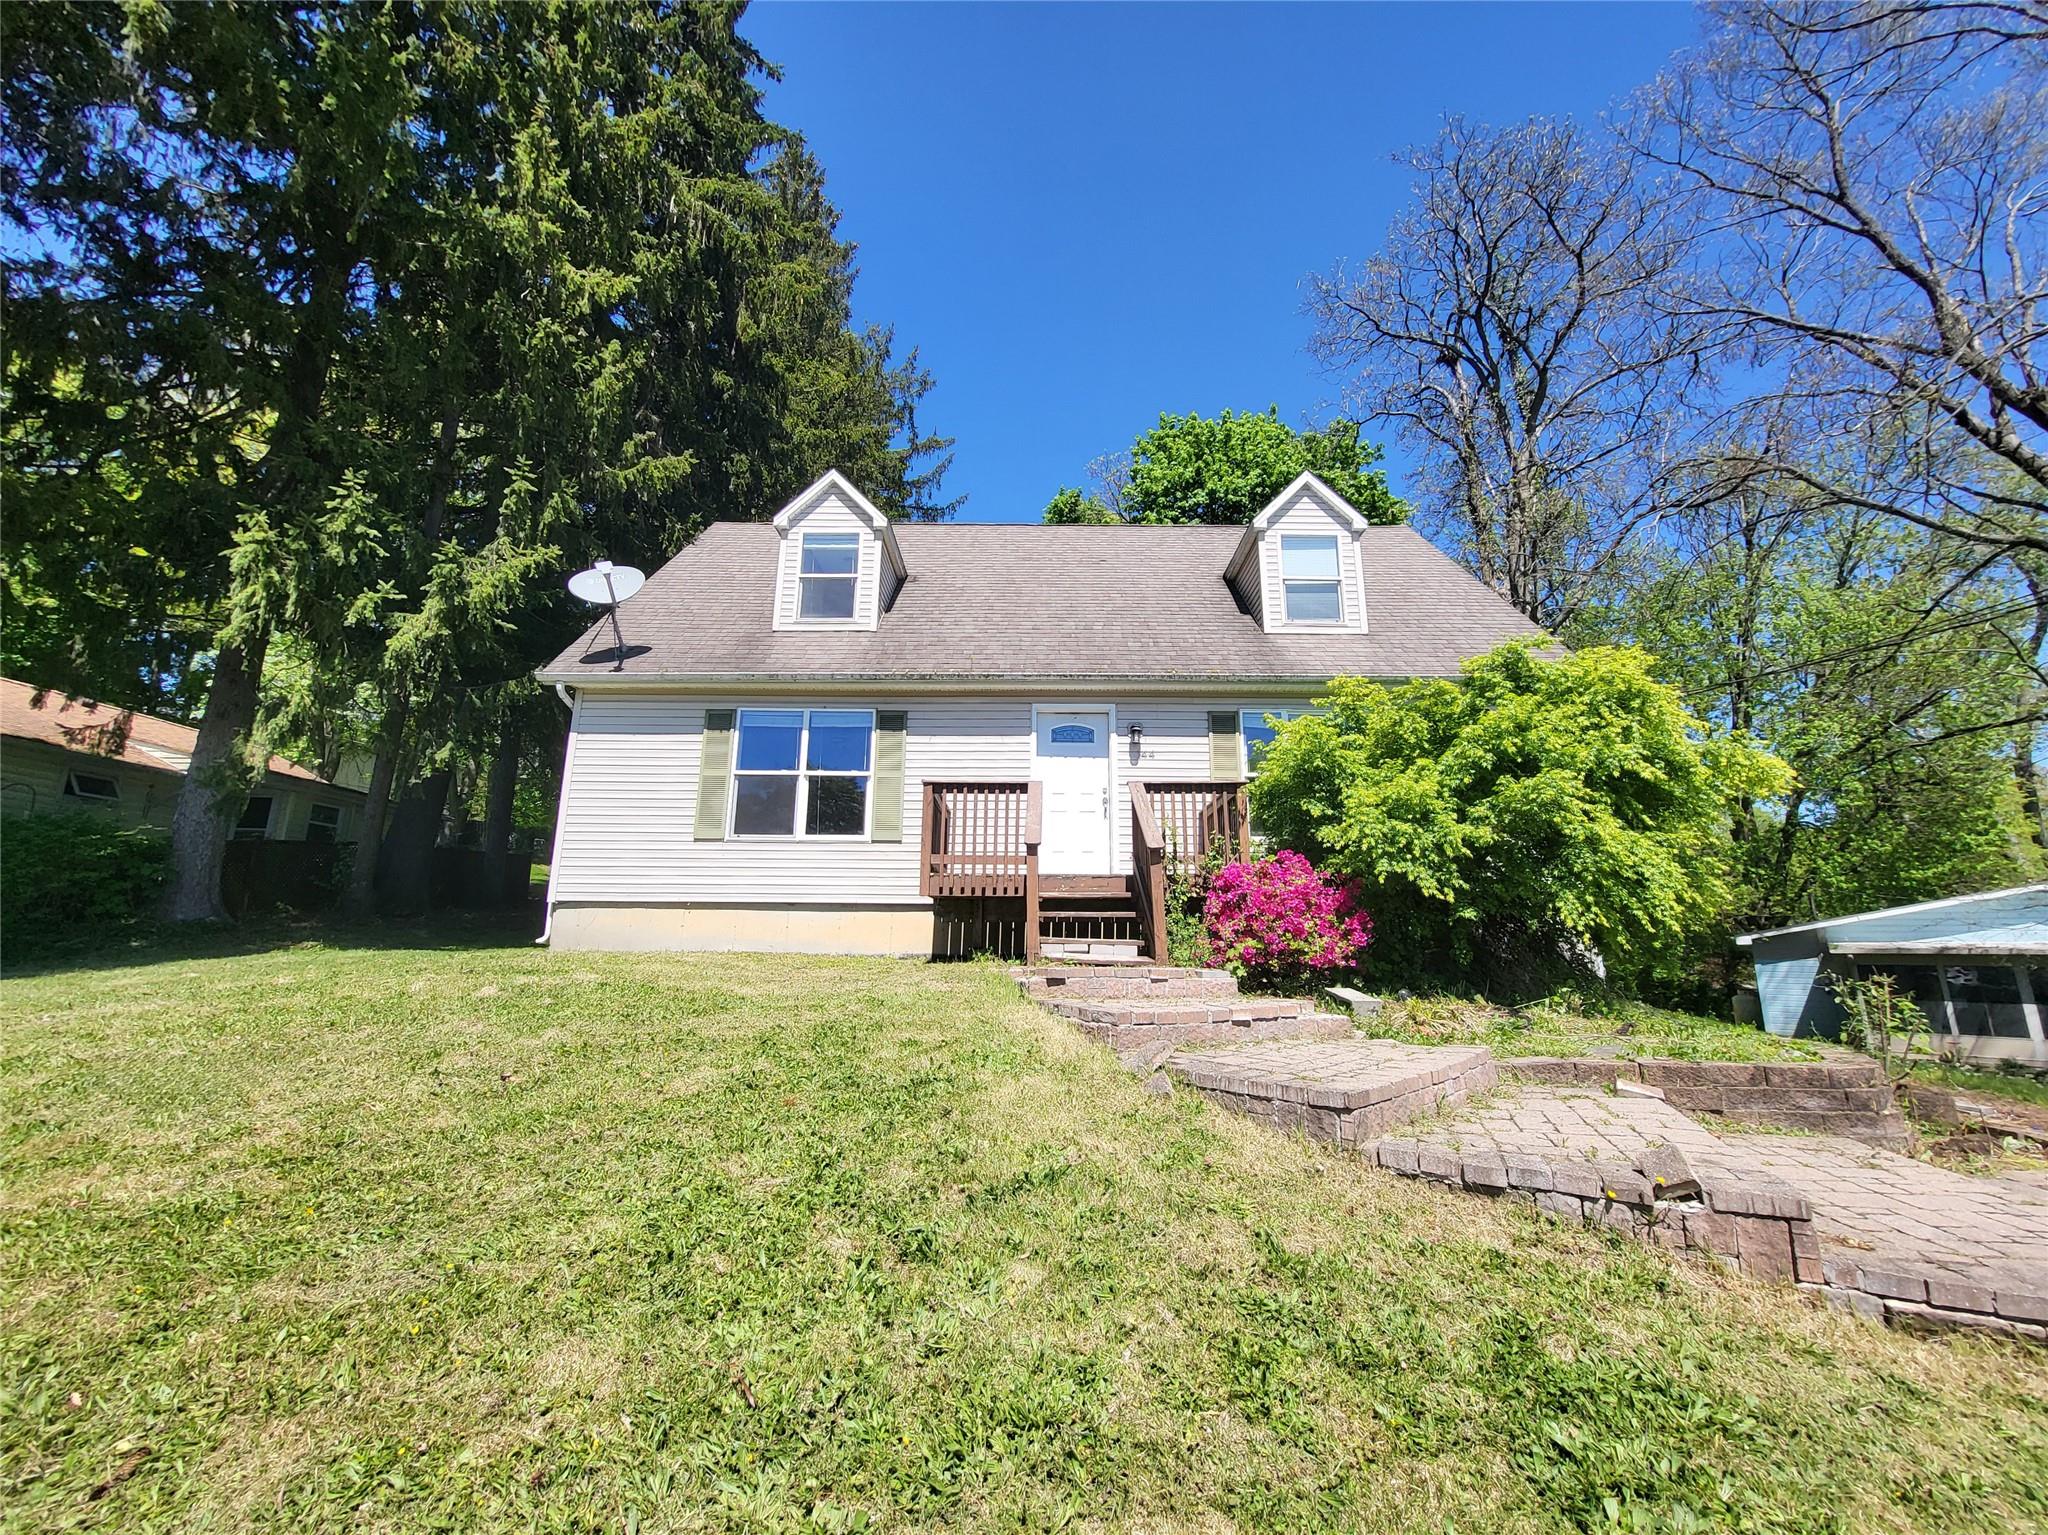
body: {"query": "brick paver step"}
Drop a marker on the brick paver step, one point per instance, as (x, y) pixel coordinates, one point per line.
(1348, 1091)
(1049, 983)
(1177, 1010)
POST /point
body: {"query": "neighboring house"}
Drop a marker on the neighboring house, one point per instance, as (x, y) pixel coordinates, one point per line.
(836, 733)
(1976, 964)
(59, 754)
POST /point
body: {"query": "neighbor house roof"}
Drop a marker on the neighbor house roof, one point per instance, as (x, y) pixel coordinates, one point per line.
(1746, 939)
(1027, 603)
(119, 735)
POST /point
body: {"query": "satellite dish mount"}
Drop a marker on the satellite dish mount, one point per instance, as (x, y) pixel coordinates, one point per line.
(607, 585)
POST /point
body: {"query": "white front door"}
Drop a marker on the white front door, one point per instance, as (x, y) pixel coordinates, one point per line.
(1072, 761)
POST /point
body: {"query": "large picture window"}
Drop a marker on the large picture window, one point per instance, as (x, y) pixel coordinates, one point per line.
(827, 575)
(803, 773)
(1308, 573)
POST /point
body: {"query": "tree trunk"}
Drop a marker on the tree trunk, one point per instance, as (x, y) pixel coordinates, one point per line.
(360, 900)
(498, 802)
(406, 885)
(204, 814)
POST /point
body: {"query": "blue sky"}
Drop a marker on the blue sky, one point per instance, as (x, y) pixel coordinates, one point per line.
(1088, 214)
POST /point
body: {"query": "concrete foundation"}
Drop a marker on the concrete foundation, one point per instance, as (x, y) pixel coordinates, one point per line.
(904, 930)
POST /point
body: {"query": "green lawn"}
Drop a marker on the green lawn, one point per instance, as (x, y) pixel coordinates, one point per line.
(475, 1238)
(1981, 1082)
(1634, 1029)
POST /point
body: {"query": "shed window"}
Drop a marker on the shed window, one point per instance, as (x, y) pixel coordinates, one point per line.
(1308, 572)
(828, 571)
(1922, 983)
(1964, 999)
(94, 788)
(1985, 999)
(254, 823)
(803, 773)
(323, 823)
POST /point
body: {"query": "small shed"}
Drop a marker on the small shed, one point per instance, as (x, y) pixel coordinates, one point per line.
(1977, 965)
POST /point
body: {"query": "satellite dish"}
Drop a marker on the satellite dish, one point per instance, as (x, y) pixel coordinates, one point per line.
(608, 585)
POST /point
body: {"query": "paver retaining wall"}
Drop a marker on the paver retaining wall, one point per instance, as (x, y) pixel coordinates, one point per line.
(1846, 1097)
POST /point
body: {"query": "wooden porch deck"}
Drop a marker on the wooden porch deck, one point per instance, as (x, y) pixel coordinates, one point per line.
(981, 840)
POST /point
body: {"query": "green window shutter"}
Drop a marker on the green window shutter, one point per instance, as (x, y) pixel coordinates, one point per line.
(887, 822)
(714, 773)
(1226, 757)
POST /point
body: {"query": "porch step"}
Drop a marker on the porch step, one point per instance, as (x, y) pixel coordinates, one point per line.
(1101, 950)
(1088, 913)
(1048, 983)
(1084, 884)
(1177, 1010)
(1143, 1046)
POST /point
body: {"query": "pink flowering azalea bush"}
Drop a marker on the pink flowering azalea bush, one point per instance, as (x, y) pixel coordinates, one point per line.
(1279, 921)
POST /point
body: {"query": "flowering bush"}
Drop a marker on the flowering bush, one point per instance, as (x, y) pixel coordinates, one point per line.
(1278, 920)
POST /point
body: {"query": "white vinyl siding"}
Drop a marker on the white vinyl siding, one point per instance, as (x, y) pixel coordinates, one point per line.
(627, 819)
(626, 829)
(1306, 515)
(831, 514)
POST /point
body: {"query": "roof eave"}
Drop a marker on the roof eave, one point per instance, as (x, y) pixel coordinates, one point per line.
(1744, 940)
(952, 682)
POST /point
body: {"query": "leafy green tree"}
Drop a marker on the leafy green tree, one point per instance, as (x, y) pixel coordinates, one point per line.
(1070, 507)
(1225, 469)
(353, 329)
(1509, 827)
(194, 201)
(1898, 673)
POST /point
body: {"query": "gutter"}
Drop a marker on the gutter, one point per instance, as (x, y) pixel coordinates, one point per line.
(979, 687)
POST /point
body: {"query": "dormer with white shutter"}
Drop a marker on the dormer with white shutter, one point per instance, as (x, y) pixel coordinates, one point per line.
(1300, 567)
(837, 561)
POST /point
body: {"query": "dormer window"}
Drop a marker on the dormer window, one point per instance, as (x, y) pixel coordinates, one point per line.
(1309, 577)
(837, 563)
(828, 576)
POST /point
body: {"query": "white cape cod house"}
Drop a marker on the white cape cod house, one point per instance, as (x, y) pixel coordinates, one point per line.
(833, 733)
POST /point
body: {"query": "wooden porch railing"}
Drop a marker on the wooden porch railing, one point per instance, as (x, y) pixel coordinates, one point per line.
(1174, 828)
(1195, 818)
(981, 839)
(1148, 873)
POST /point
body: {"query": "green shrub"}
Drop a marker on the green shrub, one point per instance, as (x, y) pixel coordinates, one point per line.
(64, 878)
(1509, 828)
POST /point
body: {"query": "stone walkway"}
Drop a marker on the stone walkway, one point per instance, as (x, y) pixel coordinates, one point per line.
(1875, 1232)
(1907, 1231)
(1895, 1237)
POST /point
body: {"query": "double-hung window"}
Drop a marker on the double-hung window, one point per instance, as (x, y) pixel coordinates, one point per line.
(323, 823)
(1260, 733)
(828, 571)
(803, 773)
(1308, 577)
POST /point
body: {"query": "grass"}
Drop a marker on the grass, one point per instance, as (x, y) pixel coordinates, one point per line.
(2020, 1087)
(1626, 1029)
(479, 1239)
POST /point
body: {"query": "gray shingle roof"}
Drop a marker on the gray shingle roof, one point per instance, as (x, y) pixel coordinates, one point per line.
(1026, 602)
